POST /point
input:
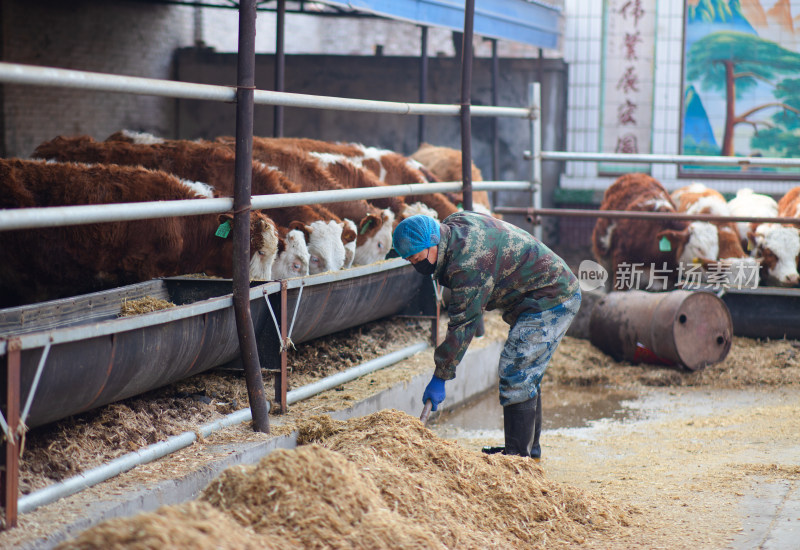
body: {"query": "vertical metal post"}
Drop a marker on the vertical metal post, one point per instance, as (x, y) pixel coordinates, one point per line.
(9, 474)
(282, 389)
(466, 123)
(241, 215)
(280, 66)
(534, 104)
(423, 81)
(495, 121)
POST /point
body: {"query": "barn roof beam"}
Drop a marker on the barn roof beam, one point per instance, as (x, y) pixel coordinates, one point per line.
(532, 22)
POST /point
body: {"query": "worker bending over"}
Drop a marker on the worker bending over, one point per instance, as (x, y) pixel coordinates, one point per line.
(490, 264)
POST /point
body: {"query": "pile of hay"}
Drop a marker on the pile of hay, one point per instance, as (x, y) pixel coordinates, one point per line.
(196, 525)
(147, 304)
(380, 481)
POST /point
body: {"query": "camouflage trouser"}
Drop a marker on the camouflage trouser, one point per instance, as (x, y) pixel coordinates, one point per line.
(530, 345)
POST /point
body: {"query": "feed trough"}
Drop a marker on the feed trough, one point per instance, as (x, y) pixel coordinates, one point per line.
(92, 357)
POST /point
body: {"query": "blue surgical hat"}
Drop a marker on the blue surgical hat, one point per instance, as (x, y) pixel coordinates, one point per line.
(415, 234)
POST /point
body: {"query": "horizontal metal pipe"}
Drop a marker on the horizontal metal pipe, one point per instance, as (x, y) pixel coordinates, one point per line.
(54, 216)
(78, 483)
(124, 463)
(351, 374)
(643, 158)
(15, 73)
(616, 214)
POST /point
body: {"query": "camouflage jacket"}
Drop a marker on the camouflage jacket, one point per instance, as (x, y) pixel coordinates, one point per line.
(491, 264)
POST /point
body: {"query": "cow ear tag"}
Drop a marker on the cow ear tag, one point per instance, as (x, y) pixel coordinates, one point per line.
(664, 245)
(365, 227)
(224, 229)
(749, 245)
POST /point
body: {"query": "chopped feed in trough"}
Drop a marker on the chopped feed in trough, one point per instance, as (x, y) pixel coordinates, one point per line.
(143, 305)
(380, 481)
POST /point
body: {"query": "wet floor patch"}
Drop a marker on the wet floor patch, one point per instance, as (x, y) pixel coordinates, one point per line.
(563, 407)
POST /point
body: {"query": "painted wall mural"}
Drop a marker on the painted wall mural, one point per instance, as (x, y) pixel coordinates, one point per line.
(741, 83)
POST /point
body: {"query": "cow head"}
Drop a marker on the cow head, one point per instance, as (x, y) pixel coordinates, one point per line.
(413, 209)
(263, 244)
(374, 237)
(325, 246)
(349, 237)
(698, 241)
(293, 257)
(778, 247)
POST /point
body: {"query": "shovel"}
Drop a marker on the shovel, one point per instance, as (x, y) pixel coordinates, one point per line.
(426, 412)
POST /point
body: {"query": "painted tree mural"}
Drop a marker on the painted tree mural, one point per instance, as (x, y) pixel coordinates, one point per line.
(782, 139)
(734, 63)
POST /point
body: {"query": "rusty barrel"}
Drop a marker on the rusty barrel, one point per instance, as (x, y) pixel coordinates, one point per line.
(688, 328)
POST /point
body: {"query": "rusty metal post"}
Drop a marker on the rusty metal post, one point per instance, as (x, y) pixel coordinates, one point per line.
(282, 386)
(466, 89)
(241, 211)
(280, 65)
(423, 82)
(9, 474)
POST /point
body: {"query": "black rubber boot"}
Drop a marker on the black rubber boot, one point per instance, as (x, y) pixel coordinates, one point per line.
(536, 450)
(519, 424)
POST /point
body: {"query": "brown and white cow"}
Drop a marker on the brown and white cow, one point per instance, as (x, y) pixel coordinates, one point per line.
(445, 164)
(739, 266)
(660, 244)
(373, 240)
(48, 263)
(390, 168)
(776, 246)
(214, 165)
(789, 207)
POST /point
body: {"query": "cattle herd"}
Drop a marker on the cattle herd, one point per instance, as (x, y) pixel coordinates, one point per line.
(48, 263)
(127, 167)
(667, 250)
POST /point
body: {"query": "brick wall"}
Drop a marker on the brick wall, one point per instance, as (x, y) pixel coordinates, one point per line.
(126, 38)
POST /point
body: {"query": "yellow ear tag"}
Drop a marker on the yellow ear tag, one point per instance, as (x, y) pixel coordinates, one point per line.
(695, 260)
(749, 245)
(664, 245)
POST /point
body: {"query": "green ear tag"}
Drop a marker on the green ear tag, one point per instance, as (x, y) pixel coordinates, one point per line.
(664, 245)
(224, 229)
(365, 227)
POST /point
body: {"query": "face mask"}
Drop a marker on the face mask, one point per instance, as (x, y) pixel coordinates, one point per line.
(425, 267)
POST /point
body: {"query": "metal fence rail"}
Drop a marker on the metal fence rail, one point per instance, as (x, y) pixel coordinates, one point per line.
(647, 158)
(17, 73)
(26, 218)
(54, 216)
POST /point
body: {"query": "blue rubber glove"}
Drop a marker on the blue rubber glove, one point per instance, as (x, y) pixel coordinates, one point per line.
(434, 391)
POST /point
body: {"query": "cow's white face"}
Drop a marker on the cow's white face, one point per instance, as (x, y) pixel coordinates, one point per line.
(778, 246)
(375, 248)
(350, 248)
(293, 261)
(702, 243)
(325, 247)
(262, 260)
